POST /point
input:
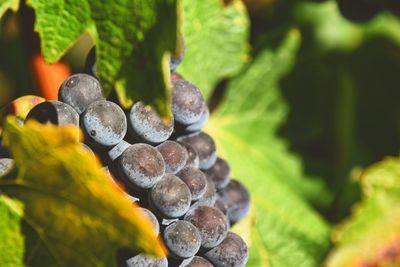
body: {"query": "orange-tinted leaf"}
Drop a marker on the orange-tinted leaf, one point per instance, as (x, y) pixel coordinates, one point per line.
(76, 215)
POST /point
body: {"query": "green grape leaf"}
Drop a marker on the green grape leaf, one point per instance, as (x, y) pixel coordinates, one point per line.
(216, 41)
(11, 238)
(132, 38)
(371, 236)
(8, 4)
(73, 214)
(285, 230)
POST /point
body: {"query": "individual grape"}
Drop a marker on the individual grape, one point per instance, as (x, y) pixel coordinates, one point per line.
(196, 181)
(142, 260)
(208, 198)
(212, 224)
(117, 150)
(5, 165)
(231, 252)
(147, 126)
(205, 147)
(193, 157)
(141, 165)
(187, 102)
(170, 196)
(79, 91)
(182, 239)
(221, 204)
(199, 124)
(176, 60)
(219, 173)
(237, 198)
(196, 261)
(152, 218)
(174, 155)
(54, 112)
(104, 123)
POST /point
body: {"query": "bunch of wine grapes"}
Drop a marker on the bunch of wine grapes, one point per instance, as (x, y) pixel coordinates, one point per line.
(170, 169)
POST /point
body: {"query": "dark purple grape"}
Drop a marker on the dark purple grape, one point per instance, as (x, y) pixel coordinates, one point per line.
(196, 181)
(6, 165)
(182, 239)
(237, 197)
(147, 126)
(117, 150)
(176, 60)
(208, 198)
(221, 204)
(174, 155)
(146, 261)
(219, 173)
(170, 196)
(205, 147)
(141, 165)
(54, 112)
(193, 158)
(187, 102)
(152, 218)
(104, 123)
(196, 261)
(79, 91)
(212, 224)
(198, 125)
(231, 252)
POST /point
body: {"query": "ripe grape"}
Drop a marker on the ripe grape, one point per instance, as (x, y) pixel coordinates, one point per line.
(237, 197)
(147, 126)
(193, 157)
(209, 197)
(104, 123)
(146, 261)
(221, 204)
(5, 165)
(174, 155)
(212, 224)
(79, 91)
(170, 196)
(182, 239)
(196, 261)
(219, 173)
(187, 102)
(199, 124)
(231, 252)
(54, 112)
(141, 165)
(196, 181)
(205, 147)
(117, 150)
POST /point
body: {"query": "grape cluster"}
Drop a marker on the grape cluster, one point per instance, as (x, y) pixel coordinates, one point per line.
(170, 169)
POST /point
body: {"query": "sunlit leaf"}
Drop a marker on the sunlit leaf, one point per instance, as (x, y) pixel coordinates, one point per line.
(287, 231)
(216, 41)
(73, 214)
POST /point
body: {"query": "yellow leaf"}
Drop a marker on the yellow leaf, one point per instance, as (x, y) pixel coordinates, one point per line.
(79, 216)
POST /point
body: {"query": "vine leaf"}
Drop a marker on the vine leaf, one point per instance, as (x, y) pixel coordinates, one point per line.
(216, 41)
(73, 214)
(8, 4)
(371, 236)
(131, 36)
(283, 230)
